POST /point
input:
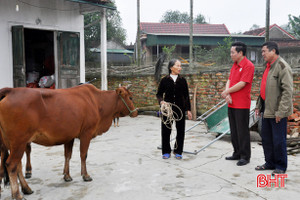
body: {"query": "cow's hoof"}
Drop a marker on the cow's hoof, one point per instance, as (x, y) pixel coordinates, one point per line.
(87, 178)
(20, 197)
(68, 178)
(27, 191)
(28, 175)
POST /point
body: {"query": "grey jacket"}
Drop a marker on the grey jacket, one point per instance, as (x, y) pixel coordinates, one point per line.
(279, 91)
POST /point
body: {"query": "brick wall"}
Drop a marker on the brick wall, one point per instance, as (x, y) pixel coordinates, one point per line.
(209, 87)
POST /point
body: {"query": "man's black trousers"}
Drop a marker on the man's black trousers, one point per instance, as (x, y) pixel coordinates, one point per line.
(240, 132)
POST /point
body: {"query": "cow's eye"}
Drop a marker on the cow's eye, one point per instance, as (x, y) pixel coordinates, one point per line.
(130, 98)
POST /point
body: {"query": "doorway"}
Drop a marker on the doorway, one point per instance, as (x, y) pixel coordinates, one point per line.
(41, 55)
(39, 58)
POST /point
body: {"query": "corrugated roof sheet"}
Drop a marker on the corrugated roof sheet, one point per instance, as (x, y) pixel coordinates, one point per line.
(173, 28)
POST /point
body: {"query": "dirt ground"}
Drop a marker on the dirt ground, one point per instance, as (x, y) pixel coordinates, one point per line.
(125, 163)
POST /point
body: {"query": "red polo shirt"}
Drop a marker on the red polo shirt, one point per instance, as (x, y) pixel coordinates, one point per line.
(264, 81)
(244, 71)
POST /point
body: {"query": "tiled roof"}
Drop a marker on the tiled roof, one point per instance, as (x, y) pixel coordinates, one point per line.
(287, 42)
(255, 32)
(172, 28)
(261, 31)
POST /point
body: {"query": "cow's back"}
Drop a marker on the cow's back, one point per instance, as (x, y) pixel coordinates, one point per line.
(48, 117)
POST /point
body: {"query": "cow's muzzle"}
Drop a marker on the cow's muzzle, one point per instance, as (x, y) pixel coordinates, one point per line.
(130, 111)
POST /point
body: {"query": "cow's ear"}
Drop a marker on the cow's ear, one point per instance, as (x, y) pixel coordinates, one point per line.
(119, 91)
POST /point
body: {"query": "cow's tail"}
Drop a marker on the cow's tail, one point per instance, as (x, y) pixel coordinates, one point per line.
(4, 92)
(6, 177)
(4, 151)
(4, 156)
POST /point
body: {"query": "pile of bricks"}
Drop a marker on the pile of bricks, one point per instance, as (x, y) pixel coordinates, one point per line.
(293, 127)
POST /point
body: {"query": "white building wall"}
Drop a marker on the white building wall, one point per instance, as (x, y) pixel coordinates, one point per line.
(54, 15)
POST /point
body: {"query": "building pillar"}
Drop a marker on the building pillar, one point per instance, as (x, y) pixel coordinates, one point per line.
(103, 50)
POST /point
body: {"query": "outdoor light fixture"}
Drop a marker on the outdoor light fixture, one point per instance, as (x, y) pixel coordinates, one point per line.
(17, 8)
(38, 21)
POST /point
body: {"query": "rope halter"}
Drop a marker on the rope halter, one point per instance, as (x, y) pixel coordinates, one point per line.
(130, 111)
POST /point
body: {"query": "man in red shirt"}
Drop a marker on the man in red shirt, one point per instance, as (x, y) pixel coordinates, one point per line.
(237, 95)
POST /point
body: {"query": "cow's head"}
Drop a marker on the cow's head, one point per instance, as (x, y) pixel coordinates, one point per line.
(127, 104)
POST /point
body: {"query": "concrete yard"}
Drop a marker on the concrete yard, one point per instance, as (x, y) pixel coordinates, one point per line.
(125, 164)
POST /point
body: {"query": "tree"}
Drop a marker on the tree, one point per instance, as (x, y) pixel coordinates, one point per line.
(92, 29)
(294, 25)
(254, 26)
(175, 17)
(200, 19)
(178, 17)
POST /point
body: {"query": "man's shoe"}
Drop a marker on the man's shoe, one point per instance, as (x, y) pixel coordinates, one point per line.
(242, 162)
(232, 158)
(277, 171)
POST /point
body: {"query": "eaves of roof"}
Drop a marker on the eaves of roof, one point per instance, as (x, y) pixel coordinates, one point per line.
(94, 4)
(212, 40)
(207, 35)
(116, 51)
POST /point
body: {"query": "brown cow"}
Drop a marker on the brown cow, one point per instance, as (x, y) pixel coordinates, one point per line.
(54, 117)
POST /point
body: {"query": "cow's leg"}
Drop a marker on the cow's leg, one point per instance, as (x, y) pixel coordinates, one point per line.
(25, 188)
(3, 175)
(28, 171)
(84, 146)
(68, 155)
(4, 155)
(12, 164)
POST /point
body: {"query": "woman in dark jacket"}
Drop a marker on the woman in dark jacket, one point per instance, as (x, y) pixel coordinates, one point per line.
(173, 88)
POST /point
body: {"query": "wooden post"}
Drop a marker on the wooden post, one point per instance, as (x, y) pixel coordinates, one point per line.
(138, 35)
(267, 30)
(194, 104)
(191, 33)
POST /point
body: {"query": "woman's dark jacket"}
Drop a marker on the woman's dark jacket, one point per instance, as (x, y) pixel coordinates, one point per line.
(174, 92)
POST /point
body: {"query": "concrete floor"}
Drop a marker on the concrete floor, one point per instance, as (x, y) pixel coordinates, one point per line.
(126, 164)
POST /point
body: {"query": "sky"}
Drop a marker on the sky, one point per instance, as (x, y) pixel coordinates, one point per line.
(237, 15)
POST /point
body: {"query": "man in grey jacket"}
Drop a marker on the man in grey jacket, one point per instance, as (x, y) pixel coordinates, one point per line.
(275, 103)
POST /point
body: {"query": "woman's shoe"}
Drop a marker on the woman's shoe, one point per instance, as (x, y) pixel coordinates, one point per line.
(166, 156)
(178, 156)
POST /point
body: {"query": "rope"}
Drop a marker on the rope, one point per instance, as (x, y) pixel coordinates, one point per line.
(166, 110)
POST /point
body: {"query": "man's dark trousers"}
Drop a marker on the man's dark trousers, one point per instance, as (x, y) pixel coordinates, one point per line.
(240, 132)
(274, 142)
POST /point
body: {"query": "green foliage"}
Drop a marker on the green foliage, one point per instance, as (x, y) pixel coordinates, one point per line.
(222, 52)
(181, 17)
(175, 17)
(203, 55)
(132, 60)
(218, 55)
(254, 26)
(200, 19)
(92, 30)
(294, 25)
(169, 51)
